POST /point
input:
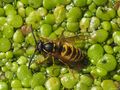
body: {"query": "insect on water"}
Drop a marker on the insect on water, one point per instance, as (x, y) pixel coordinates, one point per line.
(60, 49)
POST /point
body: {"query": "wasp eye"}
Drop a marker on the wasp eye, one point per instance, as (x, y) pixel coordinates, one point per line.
(48, 47)
(39, 46)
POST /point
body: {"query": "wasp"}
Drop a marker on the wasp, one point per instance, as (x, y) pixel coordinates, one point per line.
(60, 49)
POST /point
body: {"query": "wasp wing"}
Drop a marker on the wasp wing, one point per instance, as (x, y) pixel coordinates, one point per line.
(77, 38)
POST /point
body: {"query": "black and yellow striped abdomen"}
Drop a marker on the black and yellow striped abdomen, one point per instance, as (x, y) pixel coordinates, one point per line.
(71, 54)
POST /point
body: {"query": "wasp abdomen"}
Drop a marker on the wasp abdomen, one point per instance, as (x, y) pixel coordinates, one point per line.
(71, 54)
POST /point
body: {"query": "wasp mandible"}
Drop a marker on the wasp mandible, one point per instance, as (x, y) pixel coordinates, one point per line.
(60, 49)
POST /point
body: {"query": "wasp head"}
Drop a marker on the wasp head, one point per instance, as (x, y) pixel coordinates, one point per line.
(40, 46)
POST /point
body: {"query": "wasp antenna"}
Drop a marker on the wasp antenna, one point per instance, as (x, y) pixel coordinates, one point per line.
(31, 58)
(33, 34)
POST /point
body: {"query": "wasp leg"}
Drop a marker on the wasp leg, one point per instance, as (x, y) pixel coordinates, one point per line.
(64, 63)
(70, 71)
(45, 60)
(53, 60)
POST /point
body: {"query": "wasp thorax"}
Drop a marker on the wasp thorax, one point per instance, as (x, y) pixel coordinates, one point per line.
(48, 47)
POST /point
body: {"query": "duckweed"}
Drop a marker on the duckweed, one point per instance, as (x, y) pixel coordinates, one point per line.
(96, 22)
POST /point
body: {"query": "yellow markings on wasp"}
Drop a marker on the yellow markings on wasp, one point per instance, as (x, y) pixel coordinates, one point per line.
(63, 53)
(72, 48)
(65, 50)
(75, 56)
(45, 51)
